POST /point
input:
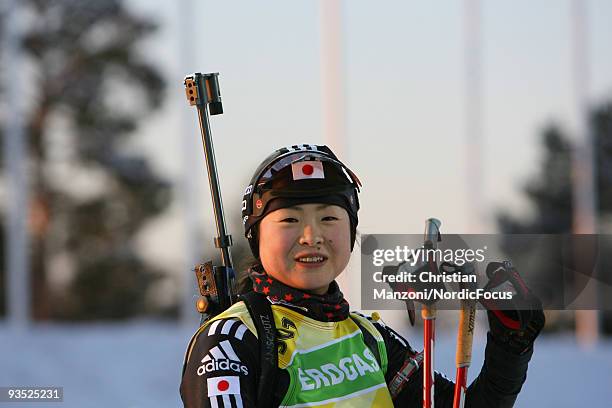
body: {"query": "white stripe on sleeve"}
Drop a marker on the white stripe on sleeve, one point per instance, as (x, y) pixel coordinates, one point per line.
(213, 327)
(227, 326)
(240, 332)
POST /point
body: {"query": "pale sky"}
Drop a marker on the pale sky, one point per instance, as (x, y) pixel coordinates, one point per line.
(405, 94)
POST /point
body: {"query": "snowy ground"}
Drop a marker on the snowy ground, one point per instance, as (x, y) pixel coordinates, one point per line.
(139, 364)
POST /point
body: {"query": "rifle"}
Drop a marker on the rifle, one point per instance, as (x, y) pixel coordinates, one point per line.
(216, 283)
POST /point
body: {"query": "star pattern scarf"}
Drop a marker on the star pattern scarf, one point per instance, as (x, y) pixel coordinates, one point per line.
(330, 307)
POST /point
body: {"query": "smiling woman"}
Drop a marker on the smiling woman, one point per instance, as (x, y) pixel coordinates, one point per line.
(305, 246)
(300, 218)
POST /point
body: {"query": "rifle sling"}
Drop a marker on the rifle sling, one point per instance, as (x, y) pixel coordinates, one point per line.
(261, 313)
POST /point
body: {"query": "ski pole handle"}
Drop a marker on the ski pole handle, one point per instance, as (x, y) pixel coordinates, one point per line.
(432, 233)
(465, 336)
(428, 313)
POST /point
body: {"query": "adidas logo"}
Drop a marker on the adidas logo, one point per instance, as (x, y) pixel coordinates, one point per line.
(222, 357)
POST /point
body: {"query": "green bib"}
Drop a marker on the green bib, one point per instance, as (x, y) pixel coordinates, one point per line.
(328, 363)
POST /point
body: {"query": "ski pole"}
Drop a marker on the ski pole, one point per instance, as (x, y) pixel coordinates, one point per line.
(465, 335)
(216, 283)
(428, 313)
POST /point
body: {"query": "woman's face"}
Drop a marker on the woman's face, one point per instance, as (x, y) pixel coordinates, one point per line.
(305, 246)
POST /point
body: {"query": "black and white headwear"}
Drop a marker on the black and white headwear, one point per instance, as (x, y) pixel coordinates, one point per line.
(294, 175)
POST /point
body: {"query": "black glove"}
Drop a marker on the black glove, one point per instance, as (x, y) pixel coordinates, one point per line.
(513, 325)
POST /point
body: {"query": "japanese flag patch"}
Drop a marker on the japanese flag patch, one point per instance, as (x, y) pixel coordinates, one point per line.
(307, 170)
(223, 385)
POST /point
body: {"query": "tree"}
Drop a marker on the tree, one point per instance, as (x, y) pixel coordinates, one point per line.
(88, 88)
(550, 191)
(3, 260)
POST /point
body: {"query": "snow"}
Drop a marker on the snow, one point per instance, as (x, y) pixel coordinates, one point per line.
(560, 375)
(138, 364)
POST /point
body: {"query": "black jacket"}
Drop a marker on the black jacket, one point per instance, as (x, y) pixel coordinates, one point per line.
(229, 349)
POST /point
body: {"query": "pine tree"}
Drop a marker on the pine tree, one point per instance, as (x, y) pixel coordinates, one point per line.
(88, 87)
(550, 194)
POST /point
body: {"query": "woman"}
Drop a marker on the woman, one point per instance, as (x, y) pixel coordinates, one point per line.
(300, 218)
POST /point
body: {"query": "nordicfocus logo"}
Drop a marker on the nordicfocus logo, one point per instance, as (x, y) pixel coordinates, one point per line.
(347, 369)
(222, 357)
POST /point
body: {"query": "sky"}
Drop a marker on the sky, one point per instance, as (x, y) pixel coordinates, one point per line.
(404, 81)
